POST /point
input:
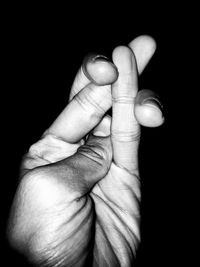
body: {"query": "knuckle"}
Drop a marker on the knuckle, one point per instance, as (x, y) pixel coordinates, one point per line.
(125, 136)
(97, 154)
(87, 101)
(47, 150)
(124, 99)
(94, 152)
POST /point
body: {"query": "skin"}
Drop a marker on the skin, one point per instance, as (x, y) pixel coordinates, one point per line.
(99, 70)
(78, 199)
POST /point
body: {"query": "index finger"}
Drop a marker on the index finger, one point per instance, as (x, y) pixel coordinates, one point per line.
(142, 46)
(97, 69)
(89, 105)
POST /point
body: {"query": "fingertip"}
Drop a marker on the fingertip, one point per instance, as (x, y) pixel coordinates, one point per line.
(149, 115)
(103, 128)
(124, 58)
(149, 109)
(99, 69)
(147, 42)
(121, 51)
(144, 47)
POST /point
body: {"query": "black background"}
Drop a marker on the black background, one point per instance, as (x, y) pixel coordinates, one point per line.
(43, 50)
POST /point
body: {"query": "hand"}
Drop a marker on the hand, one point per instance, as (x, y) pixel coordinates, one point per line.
(80, 189)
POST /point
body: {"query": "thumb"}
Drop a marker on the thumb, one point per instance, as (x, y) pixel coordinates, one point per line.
(89, 164)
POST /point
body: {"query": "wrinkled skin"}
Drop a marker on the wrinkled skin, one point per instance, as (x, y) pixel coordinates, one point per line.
(78, 199)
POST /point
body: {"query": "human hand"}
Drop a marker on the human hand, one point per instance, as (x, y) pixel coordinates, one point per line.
(79, 197)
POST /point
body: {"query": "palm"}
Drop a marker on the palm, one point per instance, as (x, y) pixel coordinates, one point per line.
(117, 190)
(115, 212)
(116, 206)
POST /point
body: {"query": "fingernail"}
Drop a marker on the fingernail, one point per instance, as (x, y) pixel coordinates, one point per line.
(101, 130)
(95, 58)
(92, 57)
(100, 58)
(99, 133)
(154, 102)
(99, 69)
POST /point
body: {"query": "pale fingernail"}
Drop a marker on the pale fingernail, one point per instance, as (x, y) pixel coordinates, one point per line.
(99, 133)
(93, 58)
(155, 102)
(103, 129)
(100, 58)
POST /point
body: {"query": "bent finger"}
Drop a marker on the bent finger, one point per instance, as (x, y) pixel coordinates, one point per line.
(97, 69)
(148, 109)
(142, 46)
(82, 113)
